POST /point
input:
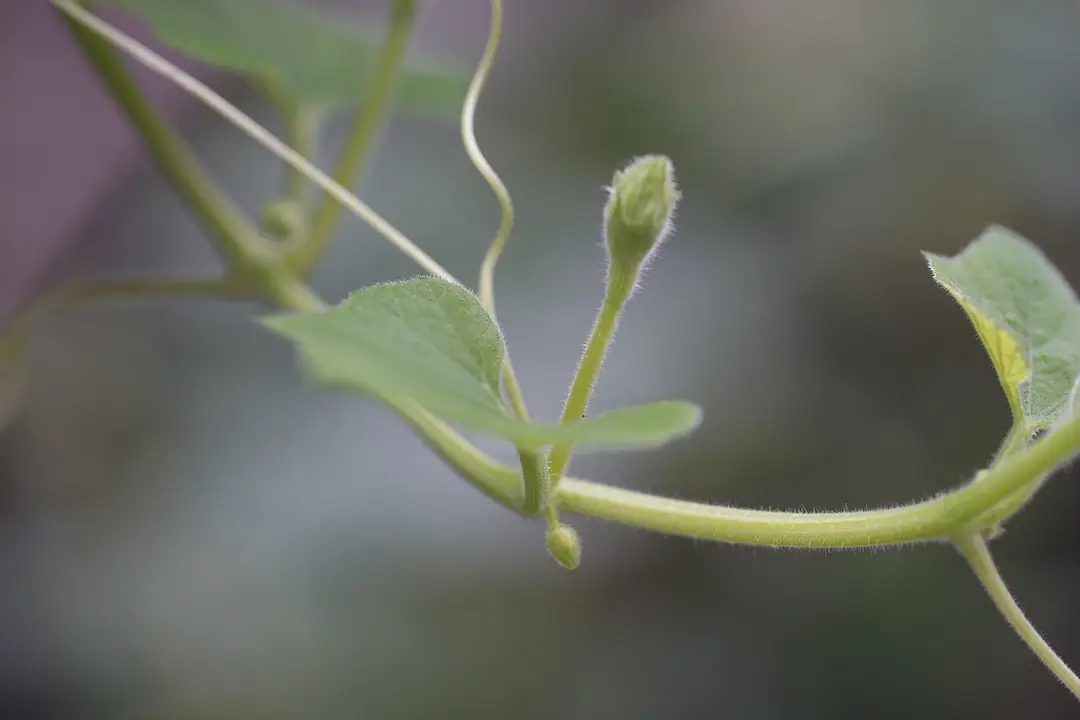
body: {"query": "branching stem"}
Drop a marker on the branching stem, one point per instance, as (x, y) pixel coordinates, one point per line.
(533, 465)
(361, 141)
(237, 238)
(91, 24)
(962, 515)
(944, 517)
(975, 550)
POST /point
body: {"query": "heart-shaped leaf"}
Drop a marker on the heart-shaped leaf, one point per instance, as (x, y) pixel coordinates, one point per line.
(1026, 315)
(433, 343)
(312, 59)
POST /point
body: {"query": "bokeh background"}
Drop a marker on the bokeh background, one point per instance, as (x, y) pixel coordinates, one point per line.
(188, 531)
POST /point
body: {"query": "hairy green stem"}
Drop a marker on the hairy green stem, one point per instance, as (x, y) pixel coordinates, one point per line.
(918, 522)
(237, 238)
(534, 469)
(534, 479)
(974, 549)
(361, 140)
(1011, 505)
(620, 285)
(1018, 438)
(936, 519)
(243, 244)
(469, 463)
(947, 516)
(273, 279)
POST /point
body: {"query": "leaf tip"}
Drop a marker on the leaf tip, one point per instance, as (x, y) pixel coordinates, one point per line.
(690, 414)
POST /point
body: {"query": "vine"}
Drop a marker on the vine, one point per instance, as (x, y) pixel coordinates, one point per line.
(433, 352)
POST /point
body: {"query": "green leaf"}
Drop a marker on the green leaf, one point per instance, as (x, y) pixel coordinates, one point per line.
(311, 58)
(1026, 315)
(432, 343)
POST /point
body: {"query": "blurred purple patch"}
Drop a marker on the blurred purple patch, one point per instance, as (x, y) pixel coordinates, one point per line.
(63, 144)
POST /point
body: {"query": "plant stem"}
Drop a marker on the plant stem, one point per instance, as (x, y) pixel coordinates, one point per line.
(936, 519)
(242, 121)
(464, 458)
(930, 520)
(301, 125)
(1018, 438)
(302, 131)
(1010, 505)
(486, 289)
(361, 140)
(290, 293)
(917, 522)
(619, 287)
(236, 237)
(273, 279)
(534, 467)
(534, 479)
(534, 470)
(974, 549)
(940, 518)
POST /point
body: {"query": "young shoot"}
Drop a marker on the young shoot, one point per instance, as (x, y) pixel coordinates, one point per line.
(432, 352)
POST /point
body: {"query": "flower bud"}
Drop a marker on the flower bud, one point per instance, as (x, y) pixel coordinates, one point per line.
(637, 217)
(283, 219)
(564, 546)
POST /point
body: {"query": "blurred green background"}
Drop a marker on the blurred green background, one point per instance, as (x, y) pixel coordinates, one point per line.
(189, 531)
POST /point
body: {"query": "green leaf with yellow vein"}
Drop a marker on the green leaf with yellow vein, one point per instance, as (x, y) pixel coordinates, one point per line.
(1026, 315)
(432, 343)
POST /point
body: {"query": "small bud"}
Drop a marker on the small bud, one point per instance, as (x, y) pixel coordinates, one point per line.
(283, 219)
(564, 546)
(641, 203)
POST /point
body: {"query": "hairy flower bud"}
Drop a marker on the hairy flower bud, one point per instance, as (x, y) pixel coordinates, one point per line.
(564, 546)
(638, 214)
